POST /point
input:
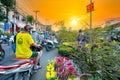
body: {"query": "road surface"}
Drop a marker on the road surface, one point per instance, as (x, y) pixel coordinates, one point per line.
(40, 75)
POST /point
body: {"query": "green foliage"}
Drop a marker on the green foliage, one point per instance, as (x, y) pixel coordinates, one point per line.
(108, 28)
(65, 50)
(30, 19)
(8, 3)
(63, 29)
(2, 15)
(48, 28)
(101, 60)
(67, 36)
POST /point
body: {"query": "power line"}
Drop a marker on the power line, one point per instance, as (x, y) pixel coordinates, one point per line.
(25, 9)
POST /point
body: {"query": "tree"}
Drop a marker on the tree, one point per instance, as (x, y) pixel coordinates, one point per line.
(63, 29)
(8, 4)
(48, 28)
(60, 23)
(30, 19)
(2, 15)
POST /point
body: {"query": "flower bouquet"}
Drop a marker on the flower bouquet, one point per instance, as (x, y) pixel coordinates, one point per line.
(51, 74)
(62, 68)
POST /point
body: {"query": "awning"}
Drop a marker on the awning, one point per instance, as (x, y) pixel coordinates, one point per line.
(20, 25)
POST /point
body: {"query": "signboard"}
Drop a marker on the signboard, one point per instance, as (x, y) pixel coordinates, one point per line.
(90, 7)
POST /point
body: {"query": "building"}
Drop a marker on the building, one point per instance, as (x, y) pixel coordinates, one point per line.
(18, 20)
(115, 22)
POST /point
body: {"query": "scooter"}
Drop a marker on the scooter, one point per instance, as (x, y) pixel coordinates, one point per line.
(2, 52)
(5, 40)
(50, 44)
(18, 69)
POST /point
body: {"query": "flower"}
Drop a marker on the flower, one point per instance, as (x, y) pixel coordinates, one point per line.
(53, 74)
(59, 60)
(50, 74)
(66, 43)
(64, 68)
(47, 75)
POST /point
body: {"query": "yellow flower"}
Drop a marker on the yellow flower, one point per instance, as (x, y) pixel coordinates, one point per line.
(52, 69)
(53, 74)
(69, 79)
(48, 68)
(52, 63)
(87, 45)
(48, 75)
(66, 43)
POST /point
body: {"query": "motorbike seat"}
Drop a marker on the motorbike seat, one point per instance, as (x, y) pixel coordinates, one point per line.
(14, 63)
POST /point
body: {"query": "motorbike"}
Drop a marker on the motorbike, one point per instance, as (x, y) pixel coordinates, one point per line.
(2, 52)
(18, 69)
(50, 44)
(5, 39)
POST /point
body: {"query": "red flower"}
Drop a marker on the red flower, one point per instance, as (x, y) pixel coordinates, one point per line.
(59, 60)
(66, 58)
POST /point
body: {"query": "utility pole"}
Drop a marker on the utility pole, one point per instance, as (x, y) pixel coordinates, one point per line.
(91, 40)
(36, 11)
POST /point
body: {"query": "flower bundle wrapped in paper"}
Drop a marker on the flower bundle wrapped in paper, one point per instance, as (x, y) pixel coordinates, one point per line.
(64, 68)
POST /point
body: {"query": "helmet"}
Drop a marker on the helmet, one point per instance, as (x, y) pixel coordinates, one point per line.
(27, 27)
(80, 31)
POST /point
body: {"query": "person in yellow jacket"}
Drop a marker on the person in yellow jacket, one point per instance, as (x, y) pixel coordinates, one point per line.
(23, 43)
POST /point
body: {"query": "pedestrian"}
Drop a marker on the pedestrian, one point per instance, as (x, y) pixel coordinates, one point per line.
(34, 35)
(23, 43)
(47, 35)
(81, 39)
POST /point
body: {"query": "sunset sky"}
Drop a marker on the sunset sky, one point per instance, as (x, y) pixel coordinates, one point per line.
(52, 11)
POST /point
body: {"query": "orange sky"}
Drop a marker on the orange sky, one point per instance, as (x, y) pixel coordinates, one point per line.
(67, 10)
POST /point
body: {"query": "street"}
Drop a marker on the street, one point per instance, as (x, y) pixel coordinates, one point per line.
(40, 75)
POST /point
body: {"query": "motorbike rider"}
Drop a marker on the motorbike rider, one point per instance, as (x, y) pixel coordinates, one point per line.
(23, 43)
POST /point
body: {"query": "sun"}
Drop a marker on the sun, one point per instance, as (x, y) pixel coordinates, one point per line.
(74, 22)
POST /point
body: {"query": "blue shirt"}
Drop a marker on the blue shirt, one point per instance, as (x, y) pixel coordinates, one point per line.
(6, 26)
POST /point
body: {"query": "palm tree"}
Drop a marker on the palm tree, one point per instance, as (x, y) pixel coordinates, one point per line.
(30, 19)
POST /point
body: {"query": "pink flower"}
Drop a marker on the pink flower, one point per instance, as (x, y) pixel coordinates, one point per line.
(69, 64)
(72, 71)
(64, 67)
(66, 58)
(59, 60)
